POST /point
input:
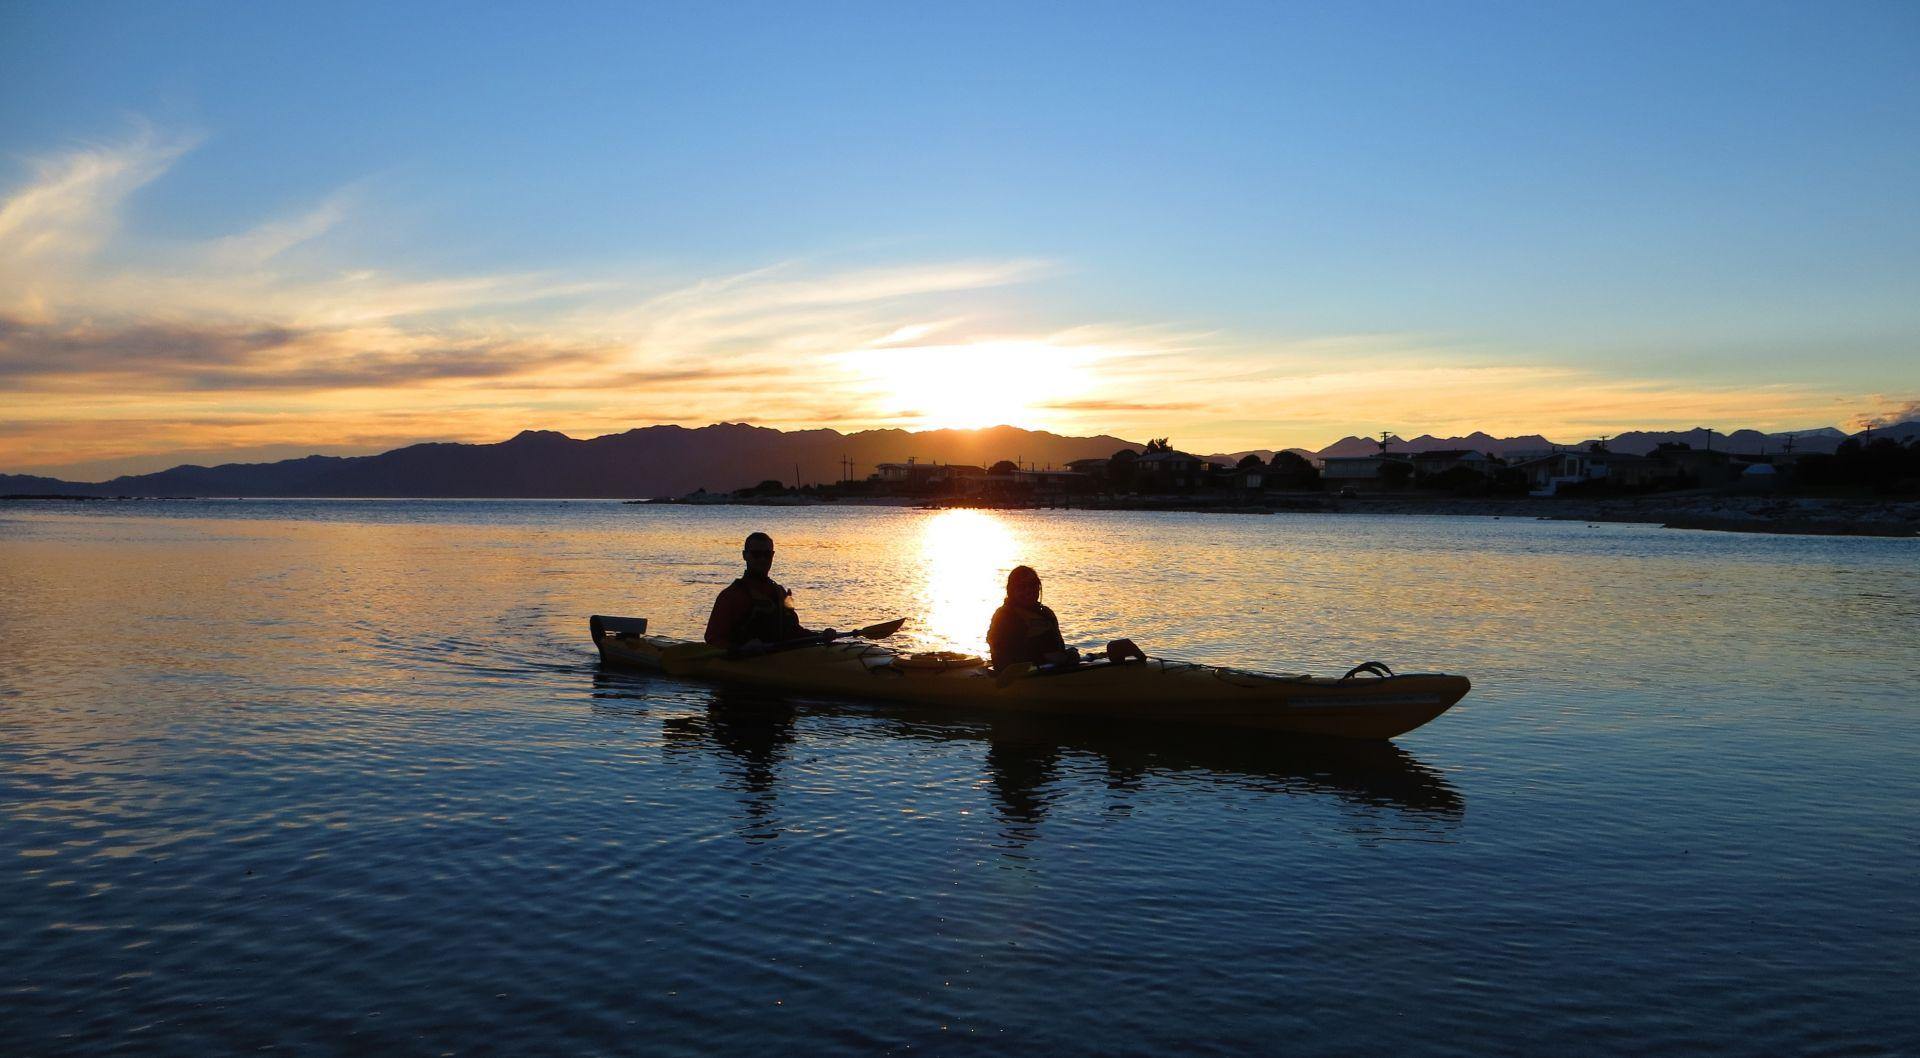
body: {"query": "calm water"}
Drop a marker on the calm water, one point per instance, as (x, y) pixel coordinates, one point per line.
(334, 777)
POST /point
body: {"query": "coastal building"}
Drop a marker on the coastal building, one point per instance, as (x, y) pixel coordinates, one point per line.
(1247, 479)
(914, 476)
(1697, 466)
(1170, 470)
(1547, 475)
(1357, 470)
(1052, 480)
(1429, 464)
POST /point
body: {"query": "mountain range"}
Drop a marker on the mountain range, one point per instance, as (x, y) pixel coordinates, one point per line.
(674, 460)
(1636, 442)
(651, 461)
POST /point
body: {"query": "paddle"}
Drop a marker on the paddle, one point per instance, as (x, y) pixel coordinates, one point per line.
(682, 653)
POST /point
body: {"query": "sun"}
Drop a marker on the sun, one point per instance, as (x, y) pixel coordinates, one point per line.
(994, 383)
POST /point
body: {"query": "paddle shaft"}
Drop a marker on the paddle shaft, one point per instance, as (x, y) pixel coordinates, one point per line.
(874, 631)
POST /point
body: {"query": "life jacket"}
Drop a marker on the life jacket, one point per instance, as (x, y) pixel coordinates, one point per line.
(769, 617)
(1035, 634)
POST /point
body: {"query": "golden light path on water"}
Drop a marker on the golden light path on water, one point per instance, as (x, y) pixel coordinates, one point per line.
(965, 556)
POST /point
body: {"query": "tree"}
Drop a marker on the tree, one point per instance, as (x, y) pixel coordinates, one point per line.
(1249, 462)
(1159, 444)
(1396, 471)
(1293, 470)
(1120, 467)
(1004, 468)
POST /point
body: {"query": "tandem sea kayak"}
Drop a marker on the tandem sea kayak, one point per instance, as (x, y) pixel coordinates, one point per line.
(1368, 703)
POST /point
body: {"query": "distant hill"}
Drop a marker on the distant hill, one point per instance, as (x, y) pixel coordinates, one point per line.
(1637, 442)
(652, 461)
(1265, 454)
(1476, 441)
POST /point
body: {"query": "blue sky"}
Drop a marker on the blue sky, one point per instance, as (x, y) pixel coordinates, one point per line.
(1215, 221)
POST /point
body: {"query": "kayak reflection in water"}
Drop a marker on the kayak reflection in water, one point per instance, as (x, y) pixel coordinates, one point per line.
(754, 609)
(1024, 631)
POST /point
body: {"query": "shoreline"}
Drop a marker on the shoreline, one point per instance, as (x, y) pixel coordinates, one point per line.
(1797, 516)
(1789, 515)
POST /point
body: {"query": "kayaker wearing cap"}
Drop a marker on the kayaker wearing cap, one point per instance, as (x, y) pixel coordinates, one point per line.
(1025, 631)
(754, 609)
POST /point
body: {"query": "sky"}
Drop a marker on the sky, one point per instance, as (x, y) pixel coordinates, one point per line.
(254, 231)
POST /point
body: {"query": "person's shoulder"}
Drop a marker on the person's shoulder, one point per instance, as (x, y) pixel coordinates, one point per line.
(1000, 614)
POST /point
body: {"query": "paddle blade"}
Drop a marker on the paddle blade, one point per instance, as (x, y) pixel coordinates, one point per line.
(879, 631)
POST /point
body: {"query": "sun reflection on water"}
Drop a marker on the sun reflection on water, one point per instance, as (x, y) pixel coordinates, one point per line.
(965, 556)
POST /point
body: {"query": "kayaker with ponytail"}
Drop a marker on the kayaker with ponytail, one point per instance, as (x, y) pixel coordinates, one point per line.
(1024, 631)
(754, 609)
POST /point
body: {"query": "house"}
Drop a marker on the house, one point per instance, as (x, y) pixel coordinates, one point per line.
(1091, 467)
(1170, 470)
(1548, 474)
(914, 475)
(1430, 464)
(1052, 480)
(1247, 479)
(1356, 470)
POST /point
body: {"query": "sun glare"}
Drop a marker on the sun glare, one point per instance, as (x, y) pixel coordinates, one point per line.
(979, 384)
(965, 557)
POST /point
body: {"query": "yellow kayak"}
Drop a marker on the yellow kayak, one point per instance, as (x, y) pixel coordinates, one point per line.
(1368, 703)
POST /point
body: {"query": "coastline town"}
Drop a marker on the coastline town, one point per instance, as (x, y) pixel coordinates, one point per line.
(1867, 487)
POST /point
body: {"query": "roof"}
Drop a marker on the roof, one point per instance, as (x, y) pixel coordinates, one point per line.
(1168, 457)
(1449, 453)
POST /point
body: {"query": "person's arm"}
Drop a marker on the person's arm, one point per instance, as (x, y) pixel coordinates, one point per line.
(1055, 644)
(728, 610)
(1055, 650)
(794, 629)
(997, 637)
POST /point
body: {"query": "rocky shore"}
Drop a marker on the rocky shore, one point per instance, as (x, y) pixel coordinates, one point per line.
(1739, 514)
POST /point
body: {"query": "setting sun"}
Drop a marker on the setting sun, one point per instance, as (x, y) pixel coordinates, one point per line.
(979, 384)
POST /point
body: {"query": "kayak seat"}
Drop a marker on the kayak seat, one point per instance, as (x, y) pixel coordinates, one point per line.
(937, 661)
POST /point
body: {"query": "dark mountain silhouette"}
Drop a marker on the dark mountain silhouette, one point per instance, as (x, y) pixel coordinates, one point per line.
(1265, 454)
(674, 460)
(1476, 441)
(1636, 442)
(652, 461)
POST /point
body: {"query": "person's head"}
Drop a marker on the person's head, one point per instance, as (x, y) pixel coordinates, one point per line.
(1023, 586)
(758, 551)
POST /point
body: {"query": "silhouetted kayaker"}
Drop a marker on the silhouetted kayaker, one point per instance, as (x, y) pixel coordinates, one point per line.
(754, 609)
(1025, 631)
